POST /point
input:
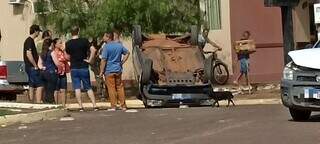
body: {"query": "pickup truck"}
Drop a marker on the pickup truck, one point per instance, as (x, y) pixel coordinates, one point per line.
(300, 86)
(13, 79)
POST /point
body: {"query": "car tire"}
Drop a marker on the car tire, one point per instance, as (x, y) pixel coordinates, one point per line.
(137, 35)
(300, 115)
(146, 71)
(194, 35)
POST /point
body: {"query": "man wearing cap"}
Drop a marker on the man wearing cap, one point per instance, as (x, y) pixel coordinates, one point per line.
(30, 57)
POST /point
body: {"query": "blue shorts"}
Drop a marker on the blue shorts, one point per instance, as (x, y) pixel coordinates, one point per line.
(35, 79)
(78, 76)
(62, 82)
(244, 66)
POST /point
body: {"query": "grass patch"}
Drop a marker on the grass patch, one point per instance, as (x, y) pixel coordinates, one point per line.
(4, 112)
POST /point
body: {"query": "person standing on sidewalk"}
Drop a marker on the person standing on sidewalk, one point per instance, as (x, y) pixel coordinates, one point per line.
(95, 68)
(78, 49)
(111, 67)
(62, 69)
(48, 64)
(31, 57)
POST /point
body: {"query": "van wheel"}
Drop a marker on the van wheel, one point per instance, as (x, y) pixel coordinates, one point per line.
(146, 71)
(300, 115)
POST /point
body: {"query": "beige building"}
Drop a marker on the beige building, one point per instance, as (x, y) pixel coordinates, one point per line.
(15, 20)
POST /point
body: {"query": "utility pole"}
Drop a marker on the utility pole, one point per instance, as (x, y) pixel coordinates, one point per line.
(287, 28)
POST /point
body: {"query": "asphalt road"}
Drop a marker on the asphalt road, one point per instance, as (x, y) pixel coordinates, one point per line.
(261, 124)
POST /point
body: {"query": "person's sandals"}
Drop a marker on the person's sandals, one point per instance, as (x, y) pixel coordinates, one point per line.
(123, 108)
(95, 108)
(111, 109)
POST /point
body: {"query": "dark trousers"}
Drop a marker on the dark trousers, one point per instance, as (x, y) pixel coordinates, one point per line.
(50, 79)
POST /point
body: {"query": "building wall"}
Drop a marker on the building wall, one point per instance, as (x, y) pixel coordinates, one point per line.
(301, 20)
(128, 71)
(222, 36)
(15, 21)
(265, 25)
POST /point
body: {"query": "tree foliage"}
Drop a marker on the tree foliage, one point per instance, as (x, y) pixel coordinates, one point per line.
(97, 16)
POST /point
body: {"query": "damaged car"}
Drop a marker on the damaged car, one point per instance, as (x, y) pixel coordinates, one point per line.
(171, 73)
(300, 86)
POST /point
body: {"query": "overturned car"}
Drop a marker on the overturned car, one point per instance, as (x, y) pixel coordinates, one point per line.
(170, 73)
(301, 83)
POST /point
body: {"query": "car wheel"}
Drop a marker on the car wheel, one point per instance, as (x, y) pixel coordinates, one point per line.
(146, 71)
(194, 35)
(137, 35)
(299, 115)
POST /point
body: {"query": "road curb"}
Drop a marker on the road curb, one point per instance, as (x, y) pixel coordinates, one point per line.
(255, 101)
(139, 104)
(33, 117)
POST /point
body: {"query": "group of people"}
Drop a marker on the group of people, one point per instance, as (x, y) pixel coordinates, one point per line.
(47, 64)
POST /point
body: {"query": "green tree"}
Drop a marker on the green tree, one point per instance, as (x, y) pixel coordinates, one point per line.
(96, 16)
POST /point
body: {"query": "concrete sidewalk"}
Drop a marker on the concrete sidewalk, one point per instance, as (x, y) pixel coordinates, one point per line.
(139, 104)
(28, 105)
(33, 113)
(32, 117)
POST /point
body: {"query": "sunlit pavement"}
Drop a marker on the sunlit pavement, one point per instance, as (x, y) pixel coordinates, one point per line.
(263, 124)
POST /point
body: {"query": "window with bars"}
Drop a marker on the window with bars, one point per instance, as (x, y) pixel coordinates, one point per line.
(213, 14)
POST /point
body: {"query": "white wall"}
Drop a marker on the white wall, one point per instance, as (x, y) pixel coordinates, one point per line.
(15, 21)
(223, 36)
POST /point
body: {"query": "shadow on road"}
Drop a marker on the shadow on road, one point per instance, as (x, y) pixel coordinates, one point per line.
(313, 118)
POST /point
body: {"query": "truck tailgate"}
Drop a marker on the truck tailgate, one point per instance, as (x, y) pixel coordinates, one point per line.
(16, 72)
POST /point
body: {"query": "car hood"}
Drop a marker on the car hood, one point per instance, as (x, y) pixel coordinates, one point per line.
(309, 58)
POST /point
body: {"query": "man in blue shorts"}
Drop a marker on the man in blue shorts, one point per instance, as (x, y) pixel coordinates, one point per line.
(31, 57)
(78, 49)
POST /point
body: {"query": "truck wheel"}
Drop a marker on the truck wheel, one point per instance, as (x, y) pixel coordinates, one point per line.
(194, 35)
(137, 35)
(146, 71)
(299, 115)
